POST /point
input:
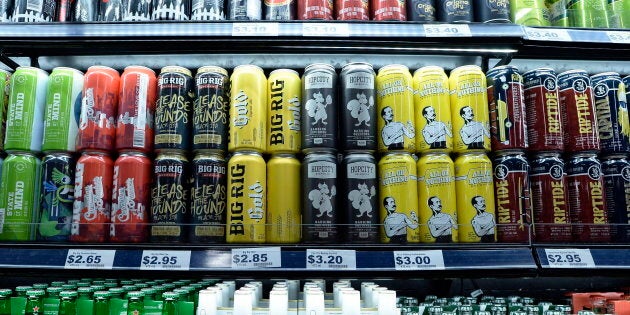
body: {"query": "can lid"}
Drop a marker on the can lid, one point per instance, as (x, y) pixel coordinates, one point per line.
(245, 67)
(116, 290)
(101, 294)
(605, 74)
(429, 69)
(283, 155)
(66, 69)
(504, 67)
(31, 68)
(360, 65)
(108, 69)
(170, 295)
(136, 67)
(135, 294)
(175, 69)
(246, 152)
(36, 292)
(573, 71)
(40, 285)
(206, 69)
(509, 152)
(291, 71)
(466, 68)
(538, 70)
(68, 294)
(393, 67)
(170, 153)
(319, 66)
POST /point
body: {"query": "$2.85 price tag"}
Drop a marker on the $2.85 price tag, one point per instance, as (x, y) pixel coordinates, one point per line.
(331, 259)
(250, 258)
(90, 259)
(419, 260)
(165, 260)
(569, 258)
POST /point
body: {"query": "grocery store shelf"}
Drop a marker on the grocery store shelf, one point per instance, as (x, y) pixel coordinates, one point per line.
(576, 257)
(549, 42)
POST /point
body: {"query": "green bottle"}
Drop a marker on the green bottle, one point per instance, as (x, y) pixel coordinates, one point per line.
(85, 293)
(135, 305)
(170, 303)
(116, 293)
(101, 303)
(149, 294)
(5, 301)
(129, 287)
(53, 292)
(34, 305)
(183, 294)
(21, 290)
(68, 305)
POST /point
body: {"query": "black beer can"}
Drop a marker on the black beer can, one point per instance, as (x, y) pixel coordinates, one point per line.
(210, 113)
(208, 10)
(616, 171)
(319, 198)
(360, 198)
(358, 115)
(279, 10)
(492, 11)
(208, 198)
(172, 10)
(110, 10)
(174, 109)
(57, 197)
(244, 10)
(85, 11)
(137, 10)
(421, 10)
(33, 11)
(451, 11)
(319, 115)
(169, 208)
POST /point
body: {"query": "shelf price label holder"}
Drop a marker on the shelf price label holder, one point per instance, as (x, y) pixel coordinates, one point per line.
(254, 258)
(419, 260)
(547, 34)
(567, 258)
(447, 30)
(326, 29)
(165, 260)
(331, 259)
(619, 37)
(255, 29)
(90, 259)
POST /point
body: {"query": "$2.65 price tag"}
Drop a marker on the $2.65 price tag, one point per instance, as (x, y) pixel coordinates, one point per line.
(419, 260)
(549, 34)
(447, 30)
(165, 260)
(569, 258)
(250, 258)
(331, 259)
(90, 259)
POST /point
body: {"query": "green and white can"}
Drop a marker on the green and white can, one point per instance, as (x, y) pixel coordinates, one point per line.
(5, 76)
(25, 114)
(619, 13)
(63, 106)
(19, 197)
(530, 12)
(588, 13)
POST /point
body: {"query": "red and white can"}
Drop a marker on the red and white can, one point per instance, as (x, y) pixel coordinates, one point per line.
(542, 103)
(506, 104)
(131, 198)
(315, 9)
(388, 10)
(578, 113)
(512, 193)
(134, 129)
(352, 10)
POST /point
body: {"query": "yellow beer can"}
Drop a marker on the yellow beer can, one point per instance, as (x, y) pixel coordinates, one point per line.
(469, 109)
(248, 109)
(434, 130)
(284, 212)
(284, 95)
(394, 100)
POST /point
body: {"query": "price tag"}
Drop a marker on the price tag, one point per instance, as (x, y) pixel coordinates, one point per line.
(569, 258)
(619, 37)
(447, 30)
(251, 258)
(325, 29)
(165, 260)
(90, 259)
(550, 34)
(255, 29)
(331, 259)
(419, 260)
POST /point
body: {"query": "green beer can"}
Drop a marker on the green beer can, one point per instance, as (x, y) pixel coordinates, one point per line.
(588, 13)
(619, 13)
(558, 13)
(19, 197)
(5, 76)
(25, 114)
(530, 12)
(63, 105)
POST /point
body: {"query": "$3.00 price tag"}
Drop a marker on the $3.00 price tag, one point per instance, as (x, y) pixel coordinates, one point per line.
(255, 29)
(619, 37)
(325, 29)
(569, 258)
(90, 259)
(447, 30)
(331, 259)
(165, 260)
(419, 260)
(550, 34)
(250, 258)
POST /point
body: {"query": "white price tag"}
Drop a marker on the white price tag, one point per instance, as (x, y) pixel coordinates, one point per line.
(619, 37)
(90, 259)
(331, 259)
(447, 30)
(251, 258)
(165, 260)
(569, 258)
(419, 260)
(255, 29)
(325, 29)
(550, 34)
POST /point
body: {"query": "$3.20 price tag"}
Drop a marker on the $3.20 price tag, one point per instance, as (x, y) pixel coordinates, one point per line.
(325, 29)
(331, 259)
(419, 260)
(447, 30)
(255, 29)
(550, 34)
(250, 258)
(90, 259)
(619, 37)
(569, 258)
(165, 260)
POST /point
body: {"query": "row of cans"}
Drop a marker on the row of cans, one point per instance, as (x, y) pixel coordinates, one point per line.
(572, 13)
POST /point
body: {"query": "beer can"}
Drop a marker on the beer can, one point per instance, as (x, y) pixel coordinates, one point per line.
(550, 201)
(284, 111)
(247, 191)
(57, 197)
(352, 10)
(33, 11)
(319, 117)
(97, 121)
(248, 109)
(210, 113)
(388, 10)
(315, 9)
(558, 14)
(359, 199)
(542, 104)
(85, 11)
(137, 10)
(25, 110)
(492, 11)
(587, 13)
(208, 198)
(421, 11)
(475, 198)
(433, 110)
(611, 107)
(110, 10)
(469, 109)
(91, 213)
(616, 172)
(131, 198)
(136, 108)
(280, 10)
(437, 198)
(508, 129)
(357, 127)
(618, 13)
(394, 100)
(170, 193)
(512, 193)
(5, 77)
(172, 10)
(320, 214)
(6, 9)
(208, 10)
(530, 13)
(19, 197)
(398, 198)
(452, 11)
(578, 113)
(244, 10)
(587, 199)
(174, 109)
(284, 209)
(63, 100)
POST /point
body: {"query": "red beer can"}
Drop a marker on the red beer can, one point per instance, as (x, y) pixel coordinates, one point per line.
(512, 193)
(92, 197)
(97, 122)
(578, 113)
(131, 198)
(134, 130)
(315, 9)
(352, 10)
(508, 128)
(542, 103)
(389, 10)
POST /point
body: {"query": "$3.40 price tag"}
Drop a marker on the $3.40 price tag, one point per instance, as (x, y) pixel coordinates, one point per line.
(165, 260)
(90, 259)
(447, 30)
(569, 258)
(325, 29)
(550, 34)
(255, 29)
(419, 260)
(331, 259)
(619, 37)
(250, 258)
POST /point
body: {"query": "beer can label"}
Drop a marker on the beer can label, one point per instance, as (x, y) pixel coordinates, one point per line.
(208, 201)
(394, 97)
(284, 96)
(361, 200)
(210, 115)
(315, 9)
(247, 191)
(507, 109)
(389, 10)
(173, 10)
(492, 11)
(6, 9)
(131, 199)
(320, 214)
(437, 199)
(421, 11)
(110, 10)
(578, 113)
(85, 11)
(4, 100)
(248, 109)
(19, 197)
(97, 121)
(469, 109)
(57, 197)
(320, 110)
(173, 111)
(170, 194)
(352, 10)
(616, 174)
(33, 11)
(245, 10)
(134, 130)
(280, 10)
(544, 123)
(455, 11)
(512, 192)
(25, 113)
(137, 10)
(208, 10)
(284, 209)
(398, 199)
(432, 104)
(611, 108)
(357, 125)
(587, 200)
(63, 102)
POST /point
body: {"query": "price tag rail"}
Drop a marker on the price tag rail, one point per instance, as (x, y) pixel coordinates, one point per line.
(604, 257)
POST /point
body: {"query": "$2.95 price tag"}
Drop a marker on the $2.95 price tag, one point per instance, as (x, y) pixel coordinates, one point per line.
(419, 260)
(447, 30)
(569, 258)
(619, 37)
(90, 259)
(250, 258)
(331, 259)
(165, 260)
(549, 34)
